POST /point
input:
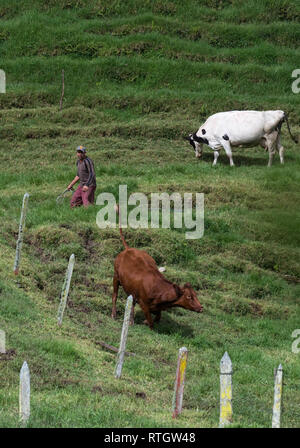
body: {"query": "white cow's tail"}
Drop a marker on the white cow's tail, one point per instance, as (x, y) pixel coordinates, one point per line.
(285, 118)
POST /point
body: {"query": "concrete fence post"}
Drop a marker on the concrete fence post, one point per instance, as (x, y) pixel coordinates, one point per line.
(21, 231)
(65, 290)
(225, 391)
(179, 381)
(24, 394)
(121, 352)
(2, 81)
(277, 398)
(2, 341)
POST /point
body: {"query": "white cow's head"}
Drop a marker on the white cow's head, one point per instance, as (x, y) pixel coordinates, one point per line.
(197, 144)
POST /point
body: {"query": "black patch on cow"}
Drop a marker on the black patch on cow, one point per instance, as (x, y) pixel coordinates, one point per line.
(200, 139)
(278, 127)
(203, 131)
(225, 136)
(192, 143)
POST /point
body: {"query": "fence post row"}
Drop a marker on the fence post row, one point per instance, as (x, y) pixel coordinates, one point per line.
(20, 235)
(179, 382)
(24, 394)
(277, 398)
(225, 380)
(2, 341)
(121, 352)
(225, 391)
(65, 290)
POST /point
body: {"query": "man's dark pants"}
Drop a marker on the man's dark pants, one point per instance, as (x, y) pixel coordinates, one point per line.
(84, 198)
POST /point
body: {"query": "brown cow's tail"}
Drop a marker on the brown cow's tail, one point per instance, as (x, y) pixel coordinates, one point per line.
(121, 232)
(288, 126)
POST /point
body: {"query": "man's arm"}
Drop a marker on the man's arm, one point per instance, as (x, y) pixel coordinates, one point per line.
(74, 181)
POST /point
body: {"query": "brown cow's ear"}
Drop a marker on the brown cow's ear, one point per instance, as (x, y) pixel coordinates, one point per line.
(187, 285)
(179, 291)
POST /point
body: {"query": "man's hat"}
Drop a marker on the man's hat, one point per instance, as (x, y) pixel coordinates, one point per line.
(81, 148)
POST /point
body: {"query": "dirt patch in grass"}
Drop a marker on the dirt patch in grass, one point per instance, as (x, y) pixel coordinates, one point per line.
(88, 242)
(256, 309)
(291, 279)
(141, 395)
(97, 389)
(10, 354)
(80, 308)
(40, 253)
(68, 382)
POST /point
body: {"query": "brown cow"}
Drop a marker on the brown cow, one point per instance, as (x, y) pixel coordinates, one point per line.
(137, 272)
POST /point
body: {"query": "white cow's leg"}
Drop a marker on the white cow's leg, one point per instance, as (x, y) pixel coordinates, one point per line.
(227, 147)
(271, 154)
(263, 143)
(281, 150)
(216, 155)
(272, 144)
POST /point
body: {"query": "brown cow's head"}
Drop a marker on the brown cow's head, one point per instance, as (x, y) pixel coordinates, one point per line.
(188, 299)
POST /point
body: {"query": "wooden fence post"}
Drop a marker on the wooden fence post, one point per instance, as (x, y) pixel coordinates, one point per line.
(277, 398)
(225, 391)
(65, 290)
(24, 394)
(2, 341)
(179, 381)
(21, 230)
(121, 352)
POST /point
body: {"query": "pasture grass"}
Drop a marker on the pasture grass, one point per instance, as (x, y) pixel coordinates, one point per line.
(138, 79)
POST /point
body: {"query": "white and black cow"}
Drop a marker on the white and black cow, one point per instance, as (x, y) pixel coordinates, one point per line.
(241, 129)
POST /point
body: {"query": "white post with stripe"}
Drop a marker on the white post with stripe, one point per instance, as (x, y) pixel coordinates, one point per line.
(225, 391)
(179, 381)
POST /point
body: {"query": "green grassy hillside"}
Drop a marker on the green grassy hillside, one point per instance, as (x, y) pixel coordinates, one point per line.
(138, 77)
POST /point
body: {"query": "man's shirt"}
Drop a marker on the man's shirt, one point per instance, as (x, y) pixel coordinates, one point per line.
(86, 172)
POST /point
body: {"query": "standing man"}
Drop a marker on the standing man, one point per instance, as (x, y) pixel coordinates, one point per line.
(85, 193)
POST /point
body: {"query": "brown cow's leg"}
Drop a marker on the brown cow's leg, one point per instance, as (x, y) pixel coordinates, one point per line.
(116, 284)
(147, 313)
(157, 316)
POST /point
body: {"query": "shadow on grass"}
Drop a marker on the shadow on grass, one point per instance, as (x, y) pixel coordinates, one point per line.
(237, 159)
(167, 325)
